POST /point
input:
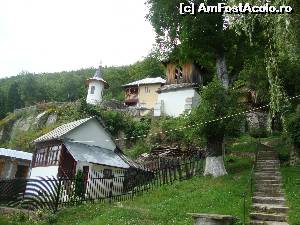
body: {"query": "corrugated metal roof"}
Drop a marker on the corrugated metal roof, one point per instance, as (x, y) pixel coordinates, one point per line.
(60, 131)
(94, 154)
(15, 154)
(155, 80)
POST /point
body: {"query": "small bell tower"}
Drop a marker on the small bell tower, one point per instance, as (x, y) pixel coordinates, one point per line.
(96, 86)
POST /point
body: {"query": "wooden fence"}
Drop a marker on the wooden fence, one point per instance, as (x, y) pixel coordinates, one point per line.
(55, 193)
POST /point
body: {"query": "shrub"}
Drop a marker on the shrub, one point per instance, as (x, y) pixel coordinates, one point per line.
(139, 148)
(258, 132)
(293, 127)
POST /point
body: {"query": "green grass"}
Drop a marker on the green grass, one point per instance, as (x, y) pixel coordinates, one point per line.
(168, 204)
(291, 180)
(244, 143)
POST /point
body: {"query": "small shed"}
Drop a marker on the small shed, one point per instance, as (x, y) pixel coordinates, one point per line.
(14, 164)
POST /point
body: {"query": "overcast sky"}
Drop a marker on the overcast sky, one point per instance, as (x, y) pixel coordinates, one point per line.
(56, 35)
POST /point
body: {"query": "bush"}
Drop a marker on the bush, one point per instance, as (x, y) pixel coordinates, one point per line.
(293, 127)
(139, 148)
(258, 132)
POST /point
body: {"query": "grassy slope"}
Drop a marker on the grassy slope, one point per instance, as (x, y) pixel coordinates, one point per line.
(169, 204)
(291, 179)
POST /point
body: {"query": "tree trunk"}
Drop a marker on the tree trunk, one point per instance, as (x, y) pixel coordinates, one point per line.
(222, 69)
(214, 163)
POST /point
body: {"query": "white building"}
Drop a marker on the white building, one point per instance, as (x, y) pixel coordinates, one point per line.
(180, 94)
(174, 100)
(96, 86)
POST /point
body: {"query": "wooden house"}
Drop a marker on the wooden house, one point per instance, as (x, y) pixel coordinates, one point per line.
(186, 73)
(14, 164)
(83, 145)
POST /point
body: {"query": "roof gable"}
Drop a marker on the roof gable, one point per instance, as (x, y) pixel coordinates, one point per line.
(62, 130)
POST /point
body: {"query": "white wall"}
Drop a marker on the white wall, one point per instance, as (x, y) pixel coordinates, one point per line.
(92, 131)
(173, 103)
(95, 98)
(46, 171)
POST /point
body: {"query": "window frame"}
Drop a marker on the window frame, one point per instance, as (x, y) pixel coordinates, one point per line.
(92, 91)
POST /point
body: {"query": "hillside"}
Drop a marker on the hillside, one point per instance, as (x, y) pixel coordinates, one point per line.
(28, 89)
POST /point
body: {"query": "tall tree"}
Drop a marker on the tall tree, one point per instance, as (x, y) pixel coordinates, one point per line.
(203, 38)
(216, 102)
(200, 37)
(2, 105)
(14, 98)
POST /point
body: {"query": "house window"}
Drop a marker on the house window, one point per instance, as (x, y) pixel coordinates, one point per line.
(147, 89)
(92, 90)
(178, 74)
(47, 156)
(107, 173)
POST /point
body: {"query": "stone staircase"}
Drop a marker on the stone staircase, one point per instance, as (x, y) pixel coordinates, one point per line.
(268, 200)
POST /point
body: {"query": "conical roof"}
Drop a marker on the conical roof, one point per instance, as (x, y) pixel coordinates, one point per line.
(97, 77)
(98, 73)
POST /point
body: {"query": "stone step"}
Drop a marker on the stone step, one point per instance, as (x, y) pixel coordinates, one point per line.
(260, 222)
(260, 157)
(266, 153)
(267, 173)
(267, 181)
(268, 200)
(267, 165)
(267, 177)
(263, 170)
(268, 217)
(267, 160)
(272, 177)
(270, 186)
(269, 208)
(268, 194)
(269, 190)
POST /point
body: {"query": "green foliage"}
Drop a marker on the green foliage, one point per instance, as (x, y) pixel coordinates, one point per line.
(241, 144)
(291, 185)
(117, 122)
(254, 75)
(294, 127)
(138, 148)
(136, 128)
(14, 97)
(170, 131)
(79, 185)
(216, 102)
(258, 132)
